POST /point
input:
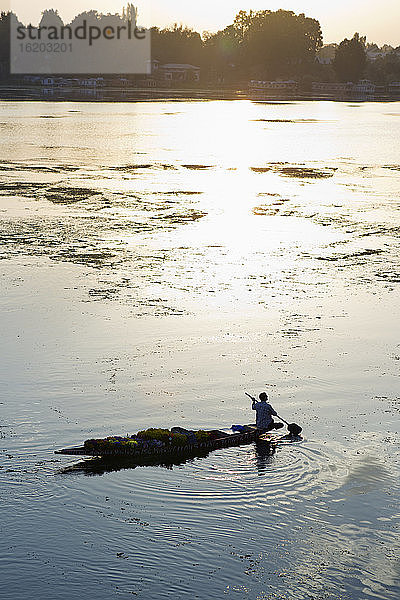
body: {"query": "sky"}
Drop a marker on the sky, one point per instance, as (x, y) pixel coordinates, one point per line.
(379, 21)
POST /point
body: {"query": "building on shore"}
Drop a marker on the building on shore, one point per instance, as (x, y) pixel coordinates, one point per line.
(168, 75)
(361, 88)
(278, 86)
(364, 86)
(374, 52)
(178, 73)
(92, 82)
(335, 87)
(394, 88)
(54, 82)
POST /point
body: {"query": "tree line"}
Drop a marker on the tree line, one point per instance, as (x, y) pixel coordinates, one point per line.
(258, 45)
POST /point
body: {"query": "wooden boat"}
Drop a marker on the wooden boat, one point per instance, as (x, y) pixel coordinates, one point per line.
(127, 448)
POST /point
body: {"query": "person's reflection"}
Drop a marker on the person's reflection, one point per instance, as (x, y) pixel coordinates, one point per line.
(264, 455)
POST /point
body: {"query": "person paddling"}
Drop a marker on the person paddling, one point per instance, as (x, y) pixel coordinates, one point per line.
(264, 413)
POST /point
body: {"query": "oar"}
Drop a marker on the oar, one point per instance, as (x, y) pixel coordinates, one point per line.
(293, 428)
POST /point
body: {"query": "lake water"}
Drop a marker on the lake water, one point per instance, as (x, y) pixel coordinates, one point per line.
(159, 259)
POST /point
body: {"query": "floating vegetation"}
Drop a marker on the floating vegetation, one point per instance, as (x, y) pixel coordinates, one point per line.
(392, 167)
(261, 169)
(151, 439)
(22, 167)
(265, 211)
(66, 168)
(67, 195)
(360, 254)
(109, 443)
(159, 307)
(300, 172)
(20, 188)
(388, 277)
(163, 435)
(285, 120)
(91, 258)
(182, 217)
(197, 167)
(182, 193)
(38, 168)
(103, 294)
(129, 168)
(307, 172)
(84, 237)
(192, 215)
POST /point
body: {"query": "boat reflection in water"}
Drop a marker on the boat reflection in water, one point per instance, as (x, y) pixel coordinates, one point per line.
(264, 451)
(100, 466)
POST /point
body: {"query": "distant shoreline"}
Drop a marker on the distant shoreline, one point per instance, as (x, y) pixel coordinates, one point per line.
(37, 93)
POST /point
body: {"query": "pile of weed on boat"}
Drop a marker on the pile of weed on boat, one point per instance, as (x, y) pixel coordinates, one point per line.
(154, 441)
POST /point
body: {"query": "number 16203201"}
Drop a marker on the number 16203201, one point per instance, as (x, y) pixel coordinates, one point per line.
(45, 47)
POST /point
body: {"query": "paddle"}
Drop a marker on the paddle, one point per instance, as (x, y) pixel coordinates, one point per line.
(293, 428)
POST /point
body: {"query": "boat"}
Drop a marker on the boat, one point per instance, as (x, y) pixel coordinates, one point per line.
(161, 443)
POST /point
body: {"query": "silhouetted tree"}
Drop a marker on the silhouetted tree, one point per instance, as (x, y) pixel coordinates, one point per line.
(278, 41)
(350, 59)
(176, 45)
(267, 42)
(222, 53)
(385, 69)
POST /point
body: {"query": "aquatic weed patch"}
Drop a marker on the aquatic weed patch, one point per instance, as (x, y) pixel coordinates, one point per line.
(110, 443)
(261, 169)
(273, 208)
(296, 171)
(20, 188)
(182, 193)
(360, 254)
(265, 210)
(272, 194)
(307, 172)
(90, 257)
(130, 168)
(186, 216)
(388, 277)
(197, 167)
(148, 440)
(84, 237)
(36, 168)
(285, 121)
(392, 167)
(67, 195)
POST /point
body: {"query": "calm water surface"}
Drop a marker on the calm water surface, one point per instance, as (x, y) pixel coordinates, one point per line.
(159, 259)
